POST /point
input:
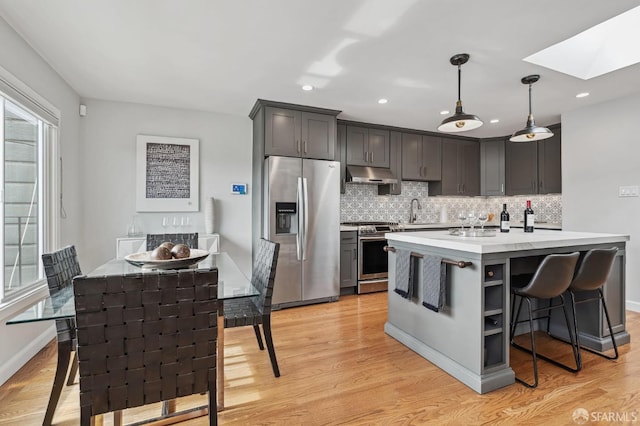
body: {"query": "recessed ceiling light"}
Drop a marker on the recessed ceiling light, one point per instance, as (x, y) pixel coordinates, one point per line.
(307, 87)
(382, 101)
(445, 112)
(494, 121)
(582, 95)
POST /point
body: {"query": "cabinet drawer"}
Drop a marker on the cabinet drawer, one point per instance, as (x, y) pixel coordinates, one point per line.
(347, 237)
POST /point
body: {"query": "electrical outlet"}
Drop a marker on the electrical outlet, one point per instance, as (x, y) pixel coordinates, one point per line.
(629, 191)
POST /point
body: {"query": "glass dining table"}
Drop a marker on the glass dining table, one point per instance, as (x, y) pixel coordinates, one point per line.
(232, 284)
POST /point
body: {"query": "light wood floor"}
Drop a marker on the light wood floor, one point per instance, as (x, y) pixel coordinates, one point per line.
(339, 367)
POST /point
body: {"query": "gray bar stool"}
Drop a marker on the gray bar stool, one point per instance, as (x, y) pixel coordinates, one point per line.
(591, 276)
(551, 280)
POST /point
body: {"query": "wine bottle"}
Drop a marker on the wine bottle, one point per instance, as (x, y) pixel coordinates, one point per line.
(504, 219)
(528, 218)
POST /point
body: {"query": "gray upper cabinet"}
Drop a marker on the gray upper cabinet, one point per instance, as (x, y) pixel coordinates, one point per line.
(549, 164)
(293, 133)
(492, 165)
(421, 157)
(342, 149)
(460, 169)
(534, 167)
(367, 147)
(521, 168)
(395, 157)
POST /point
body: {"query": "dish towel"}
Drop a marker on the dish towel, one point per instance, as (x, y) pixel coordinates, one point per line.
(434, 282)
(403, 273)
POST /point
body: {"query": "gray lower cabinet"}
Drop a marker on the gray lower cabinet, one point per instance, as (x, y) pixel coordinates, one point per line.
(492, 165)
(421, 157)
(293, 133)
(367, 147)
(395, 159)
(348, 259)
(460, 169)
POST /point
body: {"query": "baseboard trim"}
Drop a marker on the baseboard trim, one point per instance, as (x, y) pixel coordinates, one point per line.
(20, 358)
(633, 306)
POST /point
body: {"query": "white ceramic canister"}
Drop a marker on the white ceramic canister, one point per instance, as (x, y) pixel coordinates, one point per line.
(209, 215)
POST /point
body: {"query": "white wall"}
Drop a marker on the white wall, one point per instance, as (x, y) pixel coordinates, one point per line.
(20, 342)
(600, 152)
(108, 179)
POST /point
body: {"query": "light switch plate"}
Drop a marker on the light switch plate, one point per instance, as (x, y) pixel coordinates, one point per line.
(629, 191)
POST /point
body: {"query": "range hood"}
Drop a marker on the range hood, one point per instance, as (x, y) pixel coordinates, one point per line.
(375, 175)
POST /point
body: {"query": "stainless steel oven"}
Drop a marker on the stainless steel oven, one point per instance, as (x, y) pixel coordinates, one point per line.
(372, 259)
(373, 266)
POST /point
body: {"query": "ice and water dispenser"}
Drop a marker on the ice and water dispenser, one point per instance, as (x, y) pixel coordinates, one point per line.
(286, 218)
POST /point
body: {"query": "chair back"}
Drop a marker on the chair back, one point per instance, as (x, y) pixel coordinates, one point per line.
(594, 269)
(154, 240)
(553, 276)
(144, 338)
(264, 273)
(60, 267)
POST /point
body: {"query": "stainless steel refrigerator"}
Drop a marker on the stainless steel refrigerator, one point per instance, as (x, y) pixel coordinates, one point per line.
(302, 213)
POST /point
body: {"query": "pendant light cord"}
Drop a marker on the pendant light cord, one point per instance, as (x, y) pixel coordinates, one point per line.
(529, 98)
(459, 79)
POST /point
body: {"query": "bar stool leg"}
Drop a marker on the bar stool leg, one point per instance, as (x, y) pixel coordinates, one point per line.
(533, 349)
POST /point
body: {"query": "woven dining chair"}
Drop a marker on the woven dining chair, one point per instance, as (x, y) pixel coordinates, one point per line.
(60, 267)
(256, 310)
(154, 240)
(145, 338)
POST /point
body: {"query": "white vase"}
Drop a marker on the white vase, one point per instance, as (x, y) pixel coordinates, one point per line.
(209, 215)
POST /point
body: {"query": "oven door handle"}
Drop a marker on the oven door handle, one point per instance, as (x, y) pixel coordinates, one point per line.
(380, 238)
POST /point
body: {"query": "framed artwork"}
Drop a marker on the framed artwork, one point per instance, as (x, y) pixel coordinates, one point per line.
(167, 174)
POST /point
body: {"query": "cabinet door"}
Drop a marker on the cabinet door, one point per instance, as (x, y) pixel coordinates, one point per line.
(395, 158)
(411, 156)
(342, 149)
(357, 146)
(469, 167)
(379, 148)
(348, 259)
(492, 167)
(521, 168)
(450, 184)
(549, 165)
(318, 136)
(282, 132)
(431, 158)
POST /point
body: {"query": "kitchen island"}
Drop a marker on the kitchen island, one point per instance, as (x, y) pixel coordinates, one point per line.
(469, 336)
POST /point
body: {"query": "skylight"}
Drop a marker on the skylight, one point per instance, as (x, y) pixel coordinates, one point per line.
(608, 46)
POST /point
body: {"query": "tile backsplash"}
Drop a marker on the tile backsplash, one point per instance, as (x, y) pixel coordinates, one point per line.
(361, 202)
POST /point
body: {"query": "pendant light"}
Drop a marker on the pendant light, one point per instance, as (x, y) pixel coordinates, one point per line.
(531, 132)
(459, 122)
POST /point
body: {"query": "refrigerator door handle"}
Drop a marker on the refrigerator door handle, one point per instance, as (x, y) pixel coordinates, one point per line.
(305, 214)
(299, 201)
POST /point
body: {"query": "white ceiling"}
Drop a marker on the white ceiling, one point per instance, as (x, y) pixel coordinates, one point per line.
(221, 55)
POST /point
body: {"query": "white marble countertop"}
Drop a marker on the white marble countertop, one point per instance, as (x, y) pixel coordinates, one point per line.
(516, 240)
(348, 228)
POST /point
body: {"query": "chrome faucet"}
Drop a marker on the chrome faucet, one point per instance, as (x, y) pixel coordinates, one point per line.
(412, 214)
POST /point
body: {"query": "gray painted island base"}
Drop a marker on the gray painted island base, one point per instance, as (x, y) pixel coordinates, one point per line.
(469, 337)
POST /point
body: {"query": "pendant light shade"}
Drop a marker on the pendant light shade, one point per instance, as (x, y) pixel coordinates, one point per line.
(531, 132)
(460, 121)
